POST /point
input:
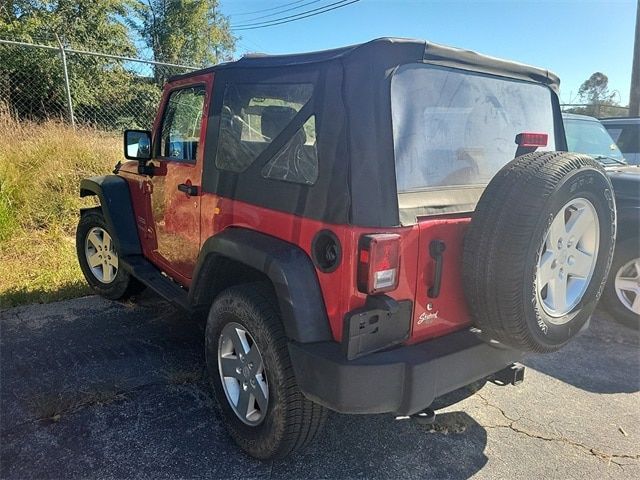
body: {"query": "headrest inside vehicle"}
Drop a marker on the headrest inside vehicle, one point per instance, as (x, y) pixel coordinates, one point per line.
(274, 119)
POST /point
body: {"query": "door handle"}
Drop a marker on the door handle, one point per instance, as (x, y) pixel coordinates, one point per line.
(436, 249)
(189, 189)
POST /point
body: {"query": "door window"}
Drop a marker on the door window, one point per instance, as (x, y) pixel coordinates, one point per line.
(180, 133)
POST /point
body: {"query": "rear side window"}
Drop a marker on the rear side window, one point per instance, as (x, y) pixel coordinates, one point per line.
(457, 128)
(297, 161)
(181, 124)
(252, 116)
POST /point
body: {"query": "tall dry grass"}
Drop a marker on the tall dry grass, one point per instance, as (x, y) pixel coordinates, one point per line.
(41, 165)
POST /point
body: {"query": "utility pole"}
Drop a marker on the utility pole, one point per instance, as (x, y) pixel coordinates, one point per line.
(634, 91)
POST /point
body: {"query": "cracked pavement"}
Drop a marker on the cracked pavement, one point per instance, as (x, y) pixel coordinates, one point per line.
(97, 389)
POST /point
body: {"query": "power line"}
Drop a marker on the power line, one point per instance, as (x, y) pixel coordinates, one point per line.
(293, 18)
(284, 11)
(265, 9)
(253, 24)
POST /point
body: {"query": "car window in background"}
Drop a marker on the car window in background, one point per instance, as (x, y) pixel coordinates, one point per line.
(590, 137)
(627, 137)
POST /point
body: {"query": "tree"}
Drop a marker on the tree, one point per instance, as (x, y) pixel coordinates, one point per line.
(598, 99)
(31, 79)
(595, 90)
(188, 32)
(105, 91)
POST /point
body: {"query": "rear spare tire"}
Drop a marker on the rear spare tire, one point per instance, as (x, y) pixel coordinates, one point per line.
(538, 250)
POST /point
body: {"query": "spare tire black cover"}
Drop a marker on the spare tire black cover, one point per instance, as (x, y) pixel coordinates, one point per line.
(516, 264)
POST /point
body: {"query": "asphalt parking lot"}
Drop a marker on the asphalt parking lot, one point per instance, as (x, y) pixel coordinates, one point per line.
(98, 389)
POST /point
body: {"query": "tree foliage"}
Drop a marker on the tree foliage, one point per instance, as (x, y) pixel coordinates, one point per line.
(595, 90)
(191, 32)
(187, 32)
(598, 100)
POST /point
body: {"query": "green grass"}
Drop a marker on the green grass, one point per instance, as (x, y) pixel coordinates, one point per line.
(41, 165)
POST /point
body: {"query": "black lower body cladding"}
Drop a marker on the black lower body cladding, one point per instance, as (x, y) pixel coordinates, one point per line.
(538, 250)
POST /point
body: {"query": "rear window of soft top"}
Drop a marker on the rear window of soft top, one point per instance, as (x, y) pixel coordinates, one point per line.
(456, 128)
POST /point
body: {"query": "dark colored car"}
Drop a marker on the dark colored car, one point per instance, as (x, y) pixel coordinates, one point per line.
(356, 227)
(625, 131)
(622, 292)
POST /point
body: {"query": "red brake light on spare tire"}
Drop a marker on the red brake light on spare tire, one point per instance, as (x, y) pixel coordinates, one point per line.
(378, 263)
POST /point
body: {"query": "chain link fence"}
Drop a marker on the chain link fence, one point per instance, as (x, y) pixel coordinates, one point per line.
(110, 92)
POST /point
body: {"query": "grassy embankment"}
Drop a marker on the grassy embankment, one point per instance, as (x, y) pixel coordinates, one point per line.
(40, 169)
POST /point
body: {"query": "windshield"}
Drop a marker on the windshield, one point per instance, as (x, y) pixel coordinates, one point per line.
(458, 128)
(590, 137)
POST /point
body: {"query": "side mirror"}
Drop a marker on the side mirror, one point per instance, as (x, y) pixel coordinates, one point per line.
(137, 144)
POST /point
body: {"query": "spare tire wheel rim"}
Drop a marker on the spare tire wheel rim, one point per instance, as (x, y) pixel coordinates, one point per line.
(101, 255)
(242, 374)
(567, 259)
(627, 285)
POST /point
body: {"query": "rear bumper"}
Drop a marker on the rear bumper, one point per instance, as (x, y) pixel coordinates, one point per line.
(403, 381)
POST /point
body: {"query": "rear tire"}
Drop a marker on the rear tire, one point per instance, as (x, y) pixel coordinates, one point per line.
(95, 245)
(625, 266)
(286, 421)
(538, 250)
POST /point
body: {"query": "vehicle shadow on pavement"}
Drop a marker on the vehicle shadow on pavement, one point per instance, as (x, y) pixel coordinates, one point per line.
(379, 446)
(92, 388)
(603, 359)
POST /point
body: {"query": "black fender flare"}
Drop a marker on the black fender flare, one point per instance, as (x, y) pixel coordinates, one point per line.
(115, 201)
(288, 267)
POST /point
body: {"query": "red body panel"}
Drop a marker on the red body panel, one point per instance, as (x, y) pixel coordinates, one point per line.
(339, 287)
(447, 312)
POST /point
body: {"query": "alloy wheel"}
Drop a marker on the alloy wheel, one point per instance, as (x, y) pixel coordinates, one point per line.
(101, 255)
(243, 374)
(567, 258)
(627, 285)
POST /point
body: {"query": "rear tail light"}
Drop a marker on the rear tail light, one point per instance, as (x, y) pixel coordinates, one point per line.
(378, 263)
(528, 139)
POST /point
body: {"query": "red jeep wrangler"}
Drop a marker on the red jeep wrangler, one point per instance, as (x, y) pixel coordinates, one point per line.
(357, 227)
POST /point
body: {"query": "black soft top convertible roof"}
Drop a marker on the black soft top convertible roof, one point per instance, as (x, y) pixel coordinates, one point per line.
(352, 107)
(390, 51)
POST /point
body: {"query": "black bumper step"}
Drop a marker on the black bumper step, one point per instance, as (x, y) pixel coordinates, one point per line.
(152, 277)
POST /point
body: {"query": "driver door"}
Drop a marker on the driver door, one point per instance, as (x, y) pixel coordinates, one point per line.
(175, 186)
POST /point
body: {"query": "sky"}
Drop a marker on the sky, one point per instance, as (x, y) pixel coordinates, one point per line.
(572, 38)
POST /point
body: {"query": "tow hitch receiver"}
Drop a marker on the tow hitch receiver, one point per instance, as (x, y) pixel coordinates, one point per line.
(425, 417)
(511, 375)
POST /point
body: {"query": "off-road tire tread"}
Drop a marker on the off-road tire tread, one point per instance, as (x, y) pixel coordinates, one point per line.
(304, 418)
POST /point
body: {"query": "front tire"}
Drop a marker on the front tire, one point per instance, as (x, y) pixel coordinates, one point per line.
(253, 381)
(99, 261)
